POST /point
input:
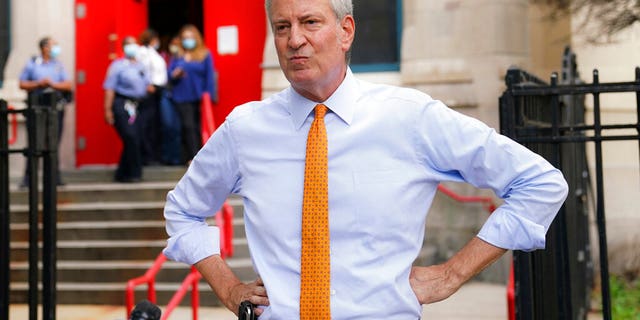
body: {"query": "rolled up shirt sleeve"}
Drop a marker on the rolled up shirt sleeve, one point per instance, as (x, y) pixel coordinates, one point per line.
(523, 220)
(210, 179)
(461, 148)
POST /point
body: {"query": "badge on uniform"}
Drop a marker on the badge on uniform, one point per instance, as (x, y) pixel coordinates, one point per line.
(130, 107)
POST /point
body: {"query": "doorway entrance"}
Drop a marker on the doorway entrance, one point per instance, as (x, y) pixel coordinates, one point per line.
(167, 17)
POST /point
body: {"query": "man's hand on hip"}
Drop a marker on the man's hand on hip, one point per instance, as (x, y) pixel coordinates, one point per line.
(253, 292)
(438, 282)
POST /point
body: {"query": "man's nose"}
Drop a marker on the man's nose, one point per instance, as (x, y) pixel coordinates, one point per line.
(297, 37)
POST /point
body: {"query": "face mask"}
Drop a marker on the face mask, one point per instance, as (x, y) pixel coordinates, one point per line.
(55, 51)
(156, 46)
(174, 49)
(189, 43)
(130, 50)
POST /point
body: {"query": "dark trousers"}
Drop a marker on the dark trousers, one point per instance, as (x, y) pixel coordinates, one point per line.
(170, 127)
(149, 124)
(130, 165)
(27, 171)
(190, 118)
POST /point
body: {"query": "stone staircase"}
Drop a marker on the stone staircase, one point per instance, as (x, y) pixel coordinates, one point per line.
(109, 233)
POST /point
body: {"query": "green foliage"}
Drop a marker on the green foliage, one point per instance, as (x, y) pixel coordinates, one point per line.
(625, 298)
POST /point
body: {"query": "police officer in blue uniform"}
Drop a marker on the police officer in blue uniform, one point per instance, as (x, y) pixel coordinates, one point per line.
(47, 83)
(126, 84)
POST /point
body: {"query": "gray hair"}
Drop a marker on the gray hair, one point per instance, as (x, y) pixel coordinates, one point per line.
(341, 8)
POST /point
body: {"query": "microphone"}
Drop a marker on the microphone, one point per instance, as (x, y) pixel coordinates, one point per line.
(245, 311)
(145, 310)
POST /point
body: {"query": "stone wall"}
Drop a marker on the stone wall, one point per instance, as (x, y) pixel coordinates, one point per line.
(31, 21)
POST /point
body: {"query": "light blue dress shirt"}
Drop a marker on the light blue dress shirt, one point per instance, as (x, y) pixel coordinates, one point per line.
(128, 78)
(37, 69)
(389, 148)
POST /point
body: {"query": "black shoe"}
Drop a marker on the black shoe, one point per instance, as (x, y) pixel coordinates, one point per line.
(128, 180)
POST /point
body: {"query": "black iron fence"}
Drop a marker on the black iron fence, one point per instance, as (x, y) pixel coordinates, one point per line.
(42, 129)
(549, 118)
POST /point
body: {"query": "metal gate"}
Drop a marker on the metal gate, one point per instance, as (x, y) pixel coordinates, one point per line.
(549, 118)
(42, 130)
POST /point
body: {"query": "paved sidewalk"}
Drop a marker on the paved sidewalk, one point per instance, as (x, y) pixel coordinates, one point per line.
(479, 301)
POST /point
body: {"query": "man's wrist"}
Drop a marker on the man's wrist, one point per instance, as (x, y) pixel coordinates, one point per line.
(455, 274)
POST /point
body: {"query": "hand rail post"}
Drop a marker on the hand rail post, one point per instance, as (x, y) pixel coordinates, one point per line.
(5, 249)
(14, 126)
(195, 293)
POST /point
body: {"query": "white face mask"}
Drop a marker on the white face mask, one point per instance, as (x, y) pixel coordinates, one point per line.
(130, 50)
(55, 51)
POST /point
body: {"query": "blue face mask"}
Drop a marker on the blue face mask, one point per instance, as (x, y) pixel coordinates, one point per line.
(189, 43)
(55, 51)
(130, 50)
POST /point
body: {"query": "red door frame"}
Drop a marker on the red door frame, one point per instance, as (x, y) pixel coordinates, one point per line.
(100, 28)
(240, 75)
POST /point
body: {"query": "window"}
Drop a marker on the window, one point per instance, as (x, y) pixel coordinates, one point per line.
(378, 33)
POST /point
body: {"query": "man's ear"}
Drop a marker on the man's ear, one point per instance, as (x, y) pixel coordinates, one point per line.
(348, 27)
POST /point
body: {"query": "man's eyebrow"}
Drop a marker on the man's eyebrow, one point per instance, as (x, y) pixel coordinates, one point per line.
(308, 16)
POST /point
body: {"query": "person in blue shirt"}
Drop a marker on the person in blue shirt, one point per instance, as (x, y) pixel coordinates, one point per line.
(45, 79)
(191, 75)
(125, 85)
(387, 149)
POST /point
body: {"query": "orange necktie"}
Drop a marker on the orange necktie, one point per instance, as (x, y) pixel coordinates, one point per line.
(315, 264)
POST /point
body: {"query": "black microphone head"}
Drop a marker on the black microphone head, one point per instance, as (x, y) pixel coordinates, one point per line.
(145, 310)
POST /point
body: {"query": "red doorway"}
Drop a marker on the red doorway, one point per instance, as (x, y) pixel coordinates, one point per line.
(101, 26)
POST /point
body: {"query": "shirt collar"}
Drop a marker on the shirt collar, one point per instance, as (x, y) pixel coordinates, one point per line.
(342, 102)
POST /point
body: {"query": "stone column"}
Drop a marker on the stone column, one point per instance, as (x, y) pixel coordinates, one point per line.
(459, 50)
(32, 20)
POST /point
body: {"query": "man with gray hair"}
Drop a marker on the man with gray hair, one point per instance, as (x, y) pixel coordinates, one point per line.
(337, 176)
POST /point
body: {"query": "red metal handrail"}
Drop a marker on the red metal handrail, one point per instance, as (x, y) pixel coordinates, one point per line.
(511, 295)
(225, 223)
(14, 126)
(224, 219)
(486, 201)
(207, 120)
(490, 206)
(149, 278)
(191, 280)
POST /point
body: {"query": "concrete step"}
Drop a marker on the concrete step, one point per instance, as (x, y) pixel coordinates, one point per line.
(124, 270)
(101, 250)
(116, 204)
(105, 174)
(103, 192)
(109, 220)
(99, 230)
(94, 250)
(97, 211)
(113, 293)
